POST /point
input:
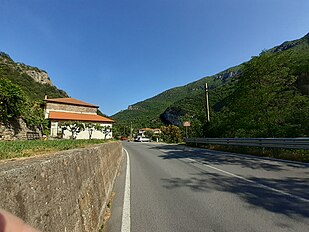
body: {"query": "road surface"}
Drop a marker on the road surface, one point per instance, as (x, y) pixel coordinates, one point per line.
(177, 188)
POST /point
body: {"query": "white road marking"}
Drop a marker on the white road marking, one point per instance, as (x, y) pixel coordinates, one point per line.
(126, 217)
(251, 181)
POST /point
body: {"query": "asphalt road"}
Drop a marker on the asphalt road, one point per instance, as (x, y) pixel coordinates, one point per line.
(177, 188)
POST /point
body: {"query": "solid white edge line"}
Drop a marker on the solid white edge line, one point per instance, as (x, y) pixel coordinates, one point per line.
(251, 181)
(126, 217)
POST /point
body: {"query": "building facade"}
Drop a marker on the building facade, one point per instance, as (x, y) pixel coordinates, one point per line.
(64, 110)
(141, 132)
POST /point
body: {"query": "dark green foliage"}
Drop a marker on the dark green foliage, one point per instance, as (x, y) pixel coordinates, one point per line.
(267, 101)
(149, 134)
(171, 134)
(121, 130)
(21, 95)
(33, 114)
(15, 104)
(11, 100)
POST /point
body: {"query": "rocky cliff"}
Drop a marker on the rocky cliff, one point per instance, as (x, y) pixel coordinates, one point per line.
(172, 116)
(35, 73)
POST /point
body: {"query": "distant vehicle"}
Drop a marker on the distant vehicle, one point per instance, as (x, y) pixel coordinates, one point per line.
(141, 139)
(123, 138)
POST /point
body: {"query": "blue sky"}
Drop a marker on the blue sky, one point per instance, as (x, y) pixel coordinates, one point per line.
(114, 53)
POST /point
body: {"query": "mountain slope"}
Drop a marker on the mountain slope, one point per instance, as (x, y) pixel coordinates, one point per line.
(34, 82)
(269, 99)
(187, 102)
(147, 112)
(22, 90)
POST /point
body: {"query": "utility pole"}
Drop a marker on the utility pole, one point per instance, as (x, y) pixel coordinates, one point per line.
(186, 132)
(131, 129)
(207, 104)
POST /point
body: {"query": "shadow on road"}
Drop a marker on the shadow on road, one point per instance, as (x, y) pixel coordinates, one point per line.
(219, 157)
(253, 194)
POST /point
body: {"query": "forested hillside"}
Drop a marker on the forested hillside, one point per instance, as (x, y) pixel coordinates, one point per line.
(147, 113)
(20, 74)
(271, 98)
(22, 90)
(267, 96)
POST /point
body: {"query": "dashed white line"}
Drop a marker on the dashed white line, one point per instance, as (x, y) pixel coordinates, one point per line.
(126, 217)
(251, 181)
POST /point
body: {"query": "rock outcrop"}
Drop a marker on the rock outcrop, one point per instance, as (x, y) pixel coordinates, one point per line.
(229, 74)
(172, 116)
(16, 130)
(38, 75)
(35, 73)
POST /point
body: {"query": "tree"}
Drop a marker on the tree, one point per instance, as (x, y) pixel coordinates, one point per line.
(91, 127)
(171, 134)
(12, 99)
(33, 114)
(149, 134)
(106, 130)
(75, 127)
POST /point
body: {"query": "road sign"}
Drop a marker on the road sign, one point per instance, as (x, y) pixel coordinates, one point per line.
(186, 123)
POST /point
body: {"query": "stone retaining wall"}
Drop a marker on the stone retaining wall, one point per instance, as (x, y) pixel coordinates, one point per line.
(65, 191)
(16, 130)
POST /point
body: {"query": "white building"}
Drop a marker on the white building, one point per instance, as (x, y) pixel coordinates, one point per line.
(61, 110)
(141, 132)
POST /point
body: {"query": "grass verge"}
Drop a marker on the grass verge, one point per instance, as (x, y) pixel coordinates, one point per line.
(17, 149)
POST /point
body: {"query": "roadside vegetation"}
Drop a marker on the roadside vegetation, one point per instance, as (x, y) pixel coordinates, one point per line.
(277, 153)
(18, 149)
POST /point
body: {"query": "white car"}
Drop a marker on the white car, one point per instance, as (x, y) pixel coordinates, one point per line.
(141, 139)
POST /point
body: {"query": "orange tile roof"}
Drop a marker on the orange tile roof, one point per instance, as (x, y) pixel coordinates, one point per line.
(78, 117)
(70, 101)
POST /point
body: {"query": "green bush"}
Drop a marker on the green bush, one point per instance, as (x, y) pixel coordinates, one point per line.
(171, 134)
(12, 100)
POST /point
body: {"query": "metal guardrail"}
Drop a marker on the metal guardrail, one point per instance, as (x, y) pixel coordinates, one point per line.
(288, 143)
